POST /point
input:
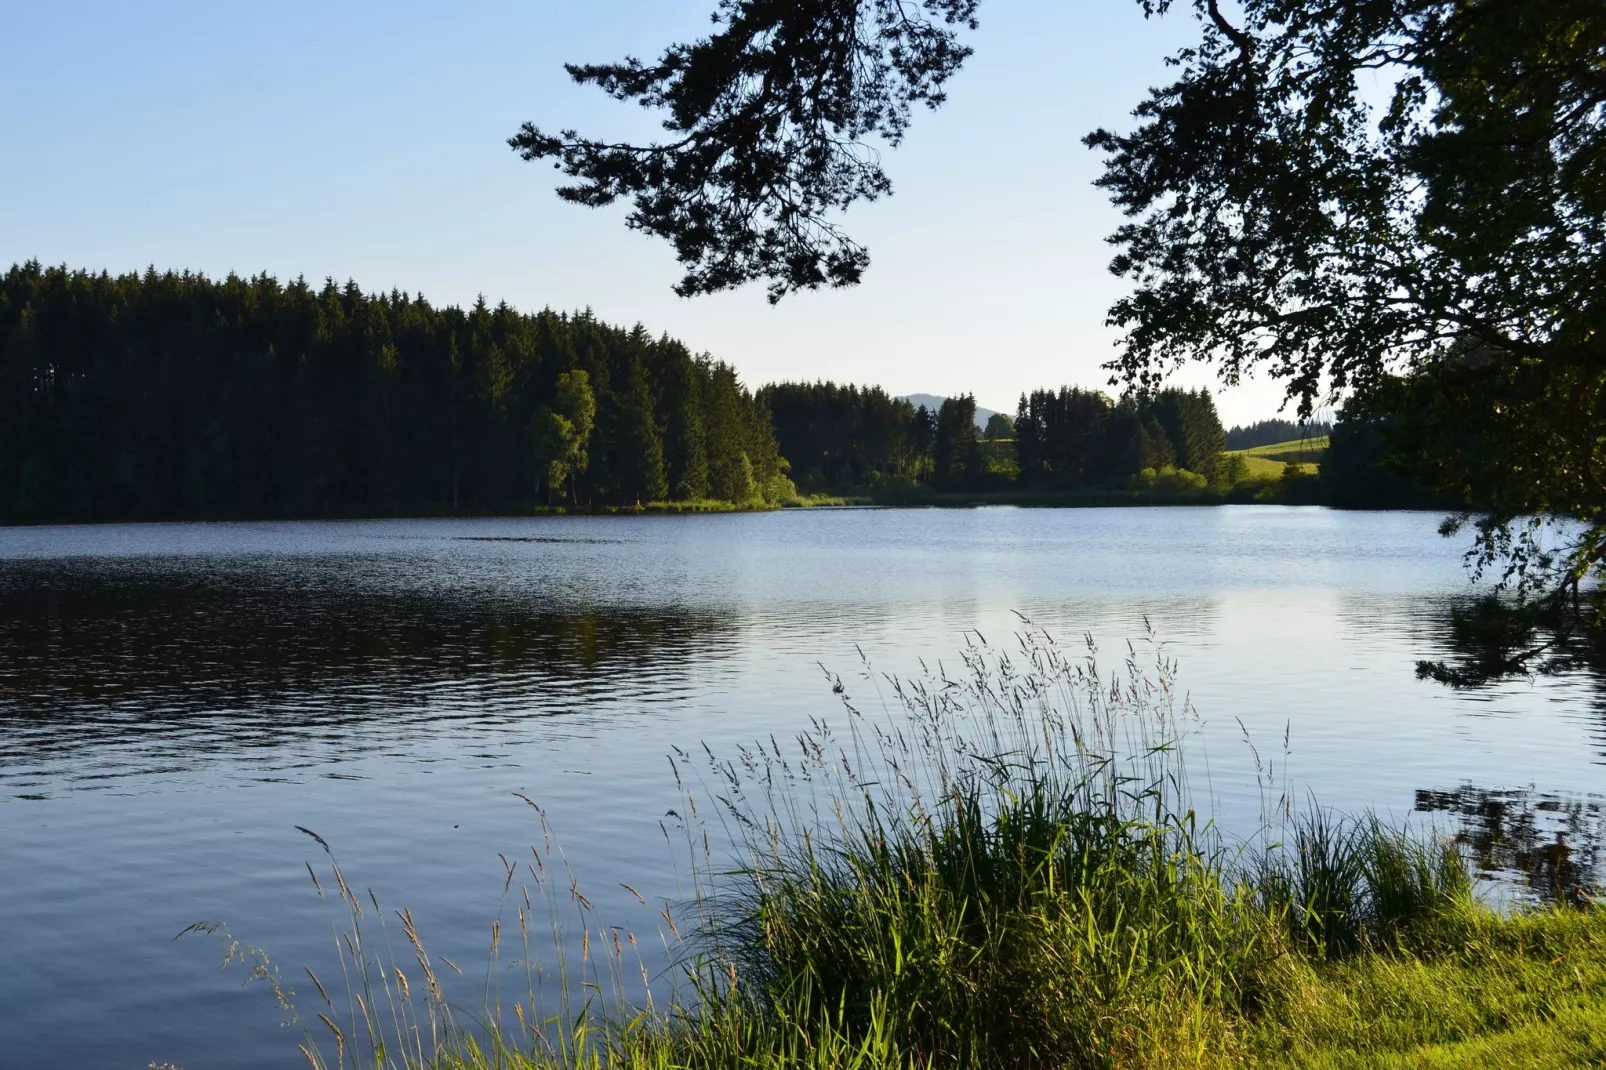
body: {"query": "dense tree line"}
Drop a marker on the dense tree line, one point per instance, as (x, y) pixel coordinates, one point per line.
(850, 439)
(956, 458)
(1072, 438)
(175, 395)
(844, 437)
(1271, 432)
(853, 439)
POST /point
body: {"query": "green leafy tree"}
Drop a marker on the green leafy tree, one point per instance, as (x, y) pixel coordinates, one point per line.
(999, 426)
(1443, 255)
(550, 434)
(1435, 248)
(561, 432)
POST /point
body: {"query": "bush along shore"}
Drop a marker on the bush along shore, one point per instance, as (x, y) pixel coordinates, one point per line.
(1005, 868)
(1164, 486)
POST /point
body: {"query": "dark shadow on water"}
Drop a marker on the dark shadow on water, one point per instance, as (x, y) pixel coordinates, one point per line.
(1487, 644)
(537, 539)
(1552, 846)
(1490, 638)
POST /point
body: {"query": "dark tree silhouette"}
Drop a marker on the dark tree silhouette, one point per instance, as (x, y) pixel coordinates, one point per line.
(1442, 253)
(845, 438)
(770, 121)
(1072, 438)
(167, 395)
(956, 454)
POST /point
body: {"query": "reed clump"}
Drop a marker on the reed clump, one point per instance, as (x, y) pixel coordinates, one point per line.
(1006, 867)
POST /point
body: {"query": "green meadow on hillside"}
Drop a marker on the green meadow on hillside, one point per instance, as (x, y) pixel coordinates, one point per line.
(1268, 461)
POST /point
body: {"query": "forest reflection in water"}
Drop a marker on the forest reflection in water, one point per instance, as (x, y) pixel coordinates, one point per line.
(221, 658)
(1548, 847)
(199, 658)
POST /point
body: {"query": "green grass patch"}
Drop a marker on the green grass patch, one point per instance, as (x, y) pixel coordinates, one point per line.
(1303, 450)
(701, 505)
(1266, 468)
(1479, 990)
(1267, 462)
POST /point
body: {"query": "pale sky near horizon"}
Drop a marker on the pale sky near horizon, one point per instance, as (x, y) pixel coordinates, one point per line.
(366, 140)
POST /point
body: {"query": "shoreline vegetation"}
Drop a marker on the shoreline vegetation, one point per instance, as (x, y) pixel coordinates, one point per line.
(172, 396)
(1007, 867)
(1164, 491)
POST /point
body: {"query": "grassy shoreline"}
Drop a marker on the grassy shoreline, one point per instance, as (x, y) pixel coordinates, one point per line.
(1008, 868)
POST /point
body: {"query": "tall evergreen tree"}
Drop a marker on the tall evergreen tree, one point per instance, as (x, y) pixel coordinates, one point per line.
(1029, 439)
(685, 438)
(639, 442)
(1190, 423)
(956, 463)
(925, 438)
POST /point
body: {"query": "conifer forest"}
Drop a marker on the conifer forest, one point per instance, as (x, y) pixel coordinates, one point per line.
(169, 395)
(173, 395)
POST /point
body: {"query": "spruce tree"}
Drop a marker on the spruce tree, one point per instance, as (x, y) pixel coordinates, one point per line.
(957, 455)
(1029, 438)
(685, 438)
(639, 454)
(730, 470)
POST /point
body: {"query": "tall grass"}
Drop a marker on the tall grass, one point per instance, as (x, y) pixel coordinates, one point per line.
(1015, 869)
(1006, 865)
(1009, 867)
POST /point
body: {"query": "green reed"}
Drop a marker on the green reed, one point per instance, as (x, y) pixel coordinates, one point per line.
(1004, 865)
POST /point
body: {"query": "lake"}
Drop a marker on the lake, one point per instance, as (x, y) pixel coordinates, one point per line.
(175, 699)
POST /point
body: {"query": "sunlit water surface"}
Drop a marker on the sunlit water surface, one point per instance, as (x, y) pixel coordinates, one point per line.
(176, 699)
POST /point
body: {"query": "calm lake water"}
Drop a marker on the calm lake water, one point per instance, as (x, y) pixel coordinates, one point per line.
(176, 699)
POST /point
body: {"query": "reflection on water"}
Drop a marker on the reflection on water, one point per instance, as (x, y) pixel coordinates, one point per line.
(176, 699)
(1491, 638)
(1550, 844)
(198, 658)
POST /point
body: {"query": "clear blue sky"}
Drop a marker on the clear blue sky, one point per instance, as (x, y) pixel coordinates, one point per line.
(366, 140)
